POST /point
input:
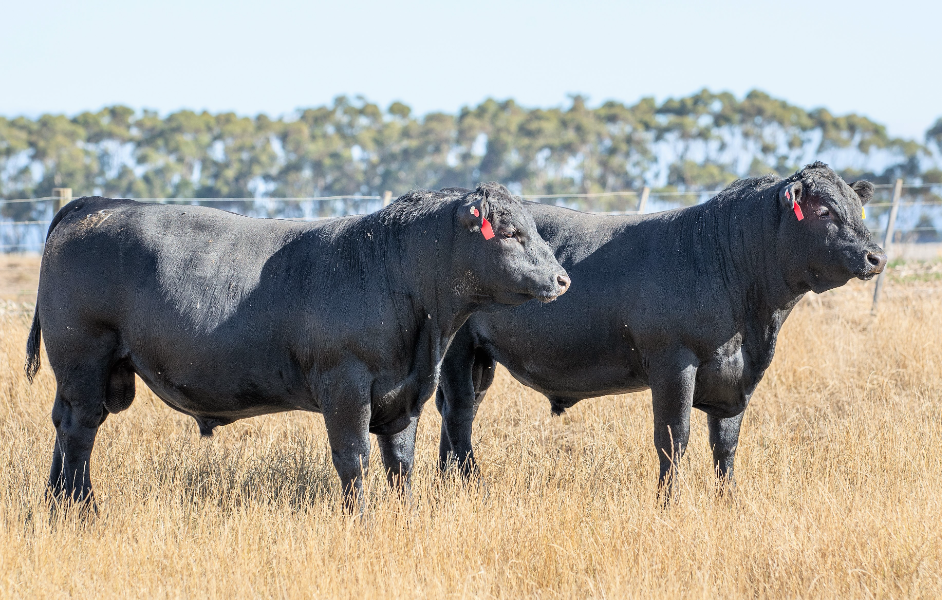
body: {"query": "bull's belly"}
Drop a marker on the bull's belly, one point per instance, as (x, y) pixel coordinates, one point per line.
(723, 385)
(230, 398)
(212, 388)
(577, 381)
(215, 376)
(570, 362)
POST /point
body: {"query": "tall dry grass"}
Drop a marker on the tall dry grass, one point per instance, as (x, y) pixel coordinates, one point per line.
(839, 468)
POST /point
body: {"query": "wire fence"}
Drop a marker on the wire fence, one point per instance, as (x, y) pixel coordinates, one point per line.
(918, 219)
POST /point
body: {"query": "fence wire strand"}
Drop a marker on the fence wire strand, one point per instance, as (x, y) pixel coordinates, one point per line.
(267, 204)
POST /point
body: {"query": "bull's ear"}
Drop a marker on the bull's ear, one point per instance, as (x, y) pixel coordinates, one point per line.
(864, 190)
(471, 214)
(790, 194)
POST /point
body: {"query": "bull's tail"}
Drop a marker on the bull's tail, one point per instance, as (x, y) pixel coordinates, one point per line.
(33, 361)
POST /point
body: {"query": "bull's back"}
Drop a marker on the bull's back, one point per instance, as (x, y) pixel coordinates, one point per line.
(189, 296)
(123, 258)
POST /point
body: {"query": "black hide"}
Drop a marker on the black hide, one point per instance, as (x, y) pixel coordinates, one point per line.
(226, 317)
(687, 303)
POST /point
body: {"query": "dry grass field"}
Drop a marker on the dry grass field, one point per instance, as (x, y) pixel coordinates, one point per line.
(19, 277)
(839, 468)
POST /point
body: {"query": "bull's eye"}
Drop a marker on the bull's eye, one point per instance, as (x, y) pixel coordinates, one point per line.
(509, 232)
(823, 211)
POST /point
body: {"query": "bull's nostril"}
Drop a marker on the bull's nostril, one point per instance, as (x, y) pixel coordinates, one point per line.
(877, 261)
(563, 282)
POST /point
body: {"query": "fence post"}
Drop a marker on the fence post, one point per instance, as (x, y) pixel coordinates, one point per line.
(887, 240)
(63, 196)
(644, 199)
(387, 198)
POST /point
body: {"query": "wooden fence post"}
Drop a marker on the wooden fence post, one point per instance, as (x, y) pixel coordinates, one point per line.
(63, 196)
(645, 191)
(387, 198)
(887, 240)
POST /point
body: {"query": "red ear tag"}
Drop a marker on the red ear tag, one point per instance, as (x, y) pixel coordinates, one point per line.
(486, 229)
(798, 212)
(795, 207)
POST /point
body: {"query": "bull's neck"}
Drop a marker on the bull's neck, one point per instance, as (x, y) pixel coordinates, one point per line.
(412, 247)
(743, 234)
(418, 267)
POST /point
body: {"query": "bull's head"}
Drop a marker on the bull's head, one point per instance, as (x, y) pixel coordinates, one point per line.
(823, 233)
(505, 258)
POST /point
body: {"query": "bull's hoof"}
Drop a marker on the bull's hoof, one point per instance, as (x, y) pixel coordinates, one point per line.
(726, 491)
(62, 506)
(466, 470)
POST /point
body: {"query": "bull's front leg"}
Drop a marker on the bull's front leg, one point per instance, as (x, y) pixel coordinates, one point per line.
(724, 439)
(348, 420)
(466, 377)
(398, 451)
(672, 378)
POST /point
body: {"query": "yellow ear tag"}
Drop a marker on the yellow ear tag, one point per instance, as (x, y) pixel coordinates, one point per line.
(863, 212)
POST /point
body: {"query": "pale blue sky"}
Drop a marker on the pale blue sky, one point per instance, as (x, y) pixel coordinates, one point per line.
(881, 59)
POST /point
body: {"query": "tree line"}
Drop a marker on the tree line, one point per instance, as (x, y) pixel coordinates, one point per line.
(354, 147)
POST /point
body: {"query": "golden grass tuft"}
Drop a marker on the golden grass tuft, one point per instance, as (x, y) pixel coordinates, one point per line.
(839, 468)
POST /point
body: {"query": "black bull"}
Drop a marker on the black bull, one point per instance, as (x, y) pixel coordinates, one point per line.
(227, 317)
(687, 303)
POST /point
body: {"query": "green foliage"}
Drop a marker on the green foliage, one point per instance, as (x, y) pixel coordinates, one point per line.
(934, 134)
(354, 147)
(688, 174)
(932, 176)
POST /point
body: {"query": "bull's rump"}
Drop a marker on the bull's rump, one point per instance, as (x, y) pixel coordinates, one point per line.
(221, 315)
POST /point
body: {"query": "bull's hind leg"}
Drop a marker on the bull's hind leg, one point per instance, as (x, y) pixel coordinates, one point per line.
(86, 391)
(78, 412)
(398, 452)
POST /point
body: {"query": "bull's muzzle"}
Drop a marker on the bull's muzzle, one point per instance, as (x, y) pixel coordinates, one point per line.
(563, 282)
(876, 261)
